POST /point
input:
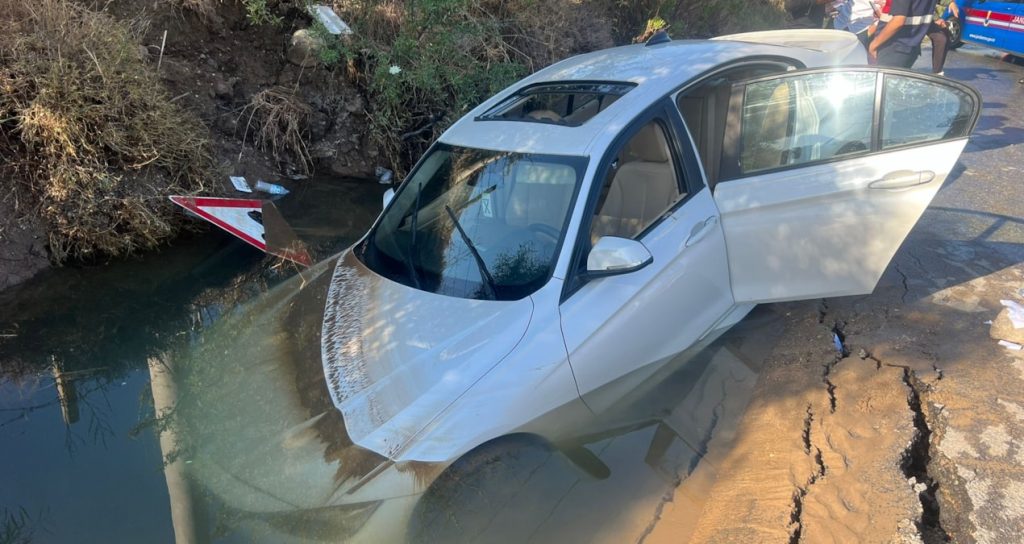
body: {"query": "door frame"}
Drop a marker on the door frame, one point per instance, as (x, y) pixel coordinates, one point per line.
(729, 169)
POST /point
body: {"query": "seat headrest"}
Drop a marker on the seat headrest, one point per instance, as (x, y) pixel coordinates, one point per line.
(648, 145)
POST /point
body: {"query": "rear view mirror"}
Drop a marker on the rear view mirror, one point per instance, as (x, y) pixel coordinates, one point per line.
(388, 195)
(612, 255)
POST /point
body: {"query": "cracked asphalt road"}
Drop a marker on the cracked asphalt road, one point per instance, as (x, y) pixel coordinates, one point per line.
(917, 435)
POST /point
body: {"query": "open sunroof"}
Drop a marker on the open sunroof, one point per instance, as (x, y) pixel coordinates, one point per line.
(569, 104)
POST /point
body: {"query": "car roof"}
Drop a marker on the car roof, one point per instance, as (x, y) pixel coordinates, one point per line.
(657, 70)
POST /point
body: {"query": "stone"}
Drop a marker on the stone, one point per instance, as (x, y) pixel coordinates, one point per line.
(222, 88)
(1002, 328)
(304, 48)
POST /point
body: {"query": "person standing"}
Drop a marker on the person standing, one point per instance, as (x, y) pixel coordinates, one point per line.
(897, 42)
(938, 33)
(856, 16)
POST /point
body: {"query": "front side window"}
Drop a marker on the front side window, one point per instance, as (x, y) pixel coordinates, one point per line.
(640, 187)
(474, 223)
(806, 118)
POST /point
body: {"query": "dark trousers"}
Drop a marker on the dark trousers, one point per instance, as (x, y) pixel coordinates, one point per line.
(940, 46)
(865, 40)
(890, 56)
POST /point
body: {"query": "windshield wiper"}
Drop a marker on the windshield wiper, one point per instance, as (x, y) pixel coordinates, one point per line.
(412, 241)
(488, 280)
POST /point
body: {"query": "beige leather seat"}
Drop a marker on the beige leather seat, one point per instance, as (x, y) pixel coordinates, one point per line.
(644, 187)
(544, 115)
(763, 147)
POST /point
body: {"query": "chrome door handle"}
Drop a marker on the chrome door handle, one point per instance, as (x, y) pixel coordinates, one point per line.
(902, 179)
(701, 230)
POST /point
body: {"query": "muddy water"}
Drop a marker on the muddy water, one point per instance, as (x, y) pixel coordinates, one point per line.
(126, 389)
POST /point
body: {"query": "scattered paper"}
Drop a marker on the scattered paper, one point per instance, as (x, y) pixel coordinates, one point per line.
(1010, 345)
(1016, 313)
(240, 184)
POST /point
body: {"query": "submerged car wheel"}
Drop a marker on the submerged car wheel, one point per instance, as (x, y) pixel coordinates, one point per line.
(464, 501)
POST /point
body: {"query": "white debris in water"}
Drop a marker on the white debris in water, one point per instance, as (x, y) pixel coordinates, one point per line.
(384, 176)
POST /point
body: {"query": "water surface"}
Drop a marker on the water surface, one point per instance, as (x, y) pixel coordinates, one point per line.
(127, 389)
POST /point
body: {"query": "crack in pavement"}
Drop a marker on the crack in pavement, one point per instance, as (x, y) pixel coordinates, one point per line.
(807, 430)
(844, 352)
(903, 280)
(916, 459)
(796, 514)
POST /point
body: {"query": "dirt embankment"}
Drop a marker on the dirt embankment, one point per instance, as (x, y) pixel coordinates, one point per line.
(106, 108)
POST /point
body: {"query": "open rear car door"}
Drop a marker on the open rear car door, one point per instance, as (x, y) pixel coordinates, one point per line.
(824, 173)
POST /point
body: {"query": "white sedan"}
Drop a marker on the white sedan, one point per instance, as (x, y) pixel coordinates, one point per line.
(565, 239)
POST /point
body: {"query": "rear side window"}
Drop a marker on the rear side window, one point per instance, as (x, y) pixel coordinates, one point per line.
(807, 118)
(916, 111)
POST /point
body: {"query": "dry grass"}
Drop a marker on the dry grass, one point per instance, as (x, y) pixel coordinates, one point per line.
(88, 137)
(277, 121)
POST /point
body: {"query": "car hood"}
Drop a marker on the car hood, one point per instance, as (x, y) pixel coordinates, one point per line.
(395, 357)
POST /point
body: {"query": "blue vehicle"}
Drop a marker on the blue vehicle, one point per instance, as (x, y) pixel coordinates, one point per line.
(998, 25)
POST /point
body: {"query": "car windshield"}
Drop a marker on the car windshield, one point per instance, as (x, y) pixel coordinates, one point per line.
(473, 223)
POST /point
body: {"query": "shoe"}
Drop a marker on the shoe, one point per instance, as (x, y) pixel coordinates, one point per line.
(943, 74)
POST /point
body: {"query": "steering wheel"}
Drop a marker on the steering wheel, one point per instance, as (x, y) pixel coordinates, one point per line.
(545, 230)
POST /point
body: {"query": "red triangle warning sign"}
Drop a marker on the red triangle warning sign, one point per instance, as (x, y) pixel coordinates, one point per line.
(242, 217)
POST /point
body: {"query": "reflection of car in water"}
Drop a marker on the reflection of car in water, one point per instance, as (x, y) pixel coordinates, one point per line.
(999, 25)
(554, 251)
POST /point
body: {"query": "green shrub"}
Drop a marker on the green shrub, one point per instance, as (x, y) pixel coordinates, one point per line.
(424, 63)
(259, 13)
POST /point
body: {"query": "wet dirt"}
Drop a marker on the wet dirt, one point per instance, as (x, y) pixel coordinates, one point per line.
(22, 245)
(215, 64)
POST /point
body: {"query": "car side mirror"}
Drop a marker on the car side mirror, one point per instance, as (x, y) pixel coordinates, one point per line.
(611, 256)
(388, 195)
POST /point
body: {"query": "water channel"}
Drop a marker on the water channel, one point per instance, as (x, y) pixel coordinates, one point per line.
(125, 387)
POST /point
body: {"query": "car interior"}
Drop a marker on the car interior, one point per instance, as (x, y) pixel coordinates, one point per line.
(705, 109)
(641, 186)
